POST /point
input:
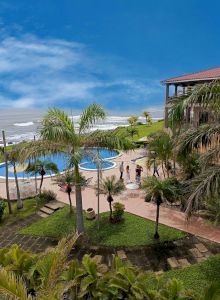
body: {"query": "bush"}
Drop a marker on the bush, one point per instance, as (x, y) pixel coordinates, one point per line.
(118, 211)
(147, 198)
(2, 208)
(47, 196)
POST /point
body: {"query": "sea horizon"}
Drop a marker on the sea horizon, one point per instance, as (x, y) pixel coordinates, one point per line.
(23, 124)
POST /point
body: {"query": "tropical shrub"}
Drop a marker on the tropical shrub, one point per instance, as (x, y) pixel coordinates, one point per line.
(2, 208)
(118, 211)
(148, 198)
(47, 196)
(51, 275)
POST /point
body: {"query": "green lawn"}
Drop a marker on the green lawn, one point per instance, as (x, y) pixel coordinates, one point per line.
(28, 209)
(199, 276)
(132, 231)
(143, 130)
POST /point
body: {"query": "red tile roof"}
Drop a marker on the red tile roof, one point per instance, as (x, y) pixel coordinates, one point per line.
(213, 73)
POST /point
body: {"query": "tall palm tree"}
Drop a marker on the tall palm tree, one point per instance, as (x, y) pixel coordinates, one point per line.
(13, 157)
(41, 167)
(6, 172)
(204, 139)
(58, 134)
(159, 191)
(110, 186)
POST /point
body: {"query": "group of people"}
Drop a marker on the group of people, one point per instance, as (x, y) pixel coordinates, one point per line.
(138, 172)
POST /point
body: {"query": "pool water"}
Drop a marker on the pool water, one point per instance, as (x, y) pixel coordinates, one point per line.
(61, 160)
(92, 166)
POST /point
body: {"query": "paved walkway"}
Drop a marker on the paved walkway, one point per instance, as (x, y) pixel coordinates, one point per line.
(135, 205)
(9, 236)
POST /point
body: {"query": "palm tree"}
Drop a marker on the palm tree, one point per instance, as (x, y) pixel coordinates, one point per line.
(148, 117)
(41, 167)
(160, 143)
(13, 157)
(6, 173)
(68, 180)
(110, 186)
(159, 191)
(132, 120)
(58, 134)
(204, 139)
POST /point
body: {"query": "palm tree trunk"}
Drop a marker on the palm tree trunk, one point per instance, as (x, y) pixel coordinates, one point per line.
(6, 174)
(79, 208)
(19, 201)
(41, 183)
(163, 170)
(156, 235)
(70, 201)
(110, 208)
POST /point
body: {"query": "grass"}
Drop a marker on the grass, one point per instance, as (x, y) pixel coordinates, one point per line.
(133, 231)
(199, 276)
(143, 130)
(28, 209)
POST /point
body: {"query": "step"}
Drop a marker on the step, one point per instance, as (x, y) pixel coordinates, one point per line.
(173, 263)
(54, 205)
(183, 262)
(42, 215)
(202, 248)
(121, 254)
(196, 253)
(46, 210)
(200, 259)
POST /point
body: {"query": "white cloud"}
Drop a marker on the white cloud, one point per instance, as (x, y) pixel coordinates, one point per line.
(53, 72)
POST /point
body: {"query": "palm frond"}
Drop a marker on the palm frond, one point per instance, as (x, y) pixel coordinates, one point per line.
(40, 148)
(11, 286)
(203, 186)
(57, 126)
(108, 140)
(90, 116)
(212, 156)
(197, 138)
(206, 95)
(51, 266)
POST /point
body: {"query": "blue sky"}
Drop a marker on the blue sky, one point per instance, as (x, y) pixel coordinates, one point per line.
(70, 53)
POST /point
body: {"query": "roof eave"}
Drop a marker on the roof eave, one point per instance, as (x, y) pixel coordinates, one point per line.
(187, 80)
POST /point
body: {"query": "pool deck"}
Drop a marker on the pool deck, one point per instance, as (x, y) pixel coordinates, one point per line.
(134, 202)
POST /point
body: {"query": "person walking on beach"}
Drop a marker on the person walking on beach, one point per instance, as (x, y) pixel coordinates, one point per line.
(121, 169)
(138, 171)
(128, 178)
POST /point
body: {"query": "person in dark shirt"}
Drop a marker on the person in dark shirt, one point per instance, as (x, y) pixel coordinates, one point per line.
(138, 171)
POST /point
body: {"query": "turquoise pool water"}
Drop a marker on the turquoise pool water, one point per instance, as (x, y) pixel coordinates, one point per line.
(61, 160)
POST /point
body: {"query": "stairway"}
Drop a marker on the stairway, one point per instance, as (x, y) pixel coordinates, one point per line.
(50, 208)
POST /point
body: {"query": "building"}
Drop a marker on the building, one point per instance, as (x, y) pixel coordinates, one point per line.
(178, 86)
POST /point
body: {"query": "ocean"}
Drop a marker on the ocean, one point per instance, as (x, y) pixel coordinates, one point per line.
(23, 124)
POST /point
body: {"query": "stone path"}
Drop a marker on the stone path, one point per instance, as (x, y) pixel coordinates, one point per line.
(9, 236)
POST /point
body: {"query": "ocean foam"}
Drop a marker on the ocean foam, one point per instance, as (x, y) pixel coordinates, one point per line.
(26, 124)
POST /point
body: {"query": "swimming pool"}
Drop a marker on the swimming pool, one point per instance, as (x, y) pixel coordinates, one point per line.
(61, 160)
